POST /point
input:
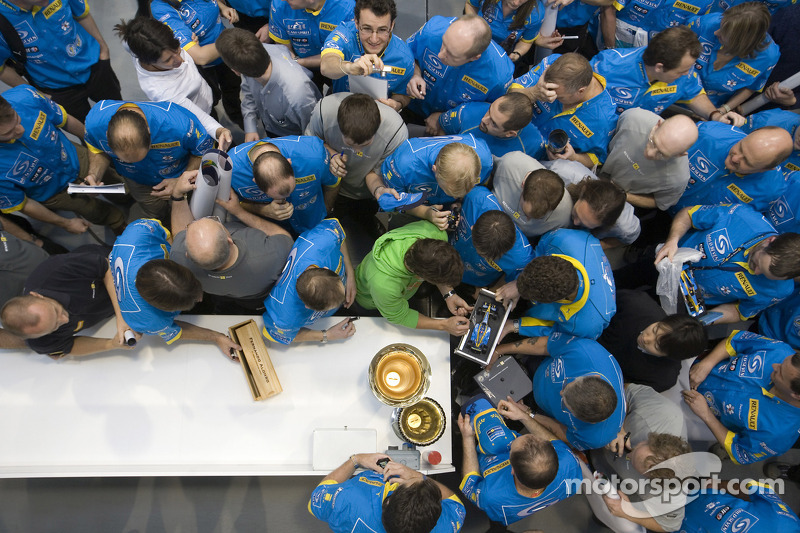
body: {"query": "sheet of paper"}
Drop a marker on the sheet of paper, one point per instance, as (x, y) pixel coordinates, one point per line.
(375, 87)
(117, 188)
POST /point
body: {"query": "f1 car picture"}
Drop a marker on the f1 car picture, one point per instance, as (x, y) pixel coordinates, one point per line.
(482, 332)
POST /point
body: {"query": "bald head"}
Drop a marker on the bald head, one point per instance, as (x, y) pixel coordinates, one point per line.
(465, 40)
(208, 243)
(762, 150)
(32, 316)
(671, 138)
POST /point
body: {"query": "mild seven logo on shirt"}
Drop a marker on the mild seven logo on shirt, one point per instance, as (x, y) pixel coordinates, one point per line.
(719, 244)
(701, 167)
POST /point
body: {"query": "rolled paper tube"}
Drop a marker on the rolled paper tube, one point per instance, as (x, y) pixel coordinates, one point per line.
(754, 103)
(225, 170)
(547, 29)
(207, 185)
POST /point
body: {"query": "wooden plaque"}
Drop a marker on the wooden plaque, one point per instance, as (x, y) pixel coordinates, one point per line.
(257, 366)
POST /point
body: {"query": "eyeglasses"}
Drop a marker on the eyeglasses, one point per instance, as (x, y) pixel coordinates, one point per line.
(212, 217)
(659, 154)
(380, 32)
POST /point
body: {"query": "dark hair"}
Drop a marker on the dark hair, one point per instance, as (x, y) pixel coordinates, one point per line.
(359, 118)
(147, 38)
(127, 130)
(6, 111)
(670, 46)
(270, 169)
(434, 261)
(379, 7)
(320, 288)
(543, 190)
(519, 107)
(535, 462)
(522, 14)
(493, 234)
(571, 71)
(547, 279)
(684, 337)
(795, 383)
(605, 198)
(243, 52)
(590, 398)
(785, 253)
(412, 508)
(168, 286)
(744, 29)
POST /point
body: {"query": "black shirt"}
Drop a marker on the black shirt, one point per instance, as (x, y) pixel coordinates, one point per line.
(75, 280)
(635, 311)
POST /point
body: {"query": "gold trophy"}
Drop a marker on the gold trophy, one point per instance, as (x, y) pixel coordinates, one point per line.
(399, 375)
(422, 423)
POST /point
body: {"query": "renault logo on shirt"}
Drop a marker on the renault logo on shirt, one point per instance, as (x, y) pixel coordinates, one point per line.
(686, 7)
(747, 69)
(38, 125)
(475, 84)
(741, 277)
(581, 126)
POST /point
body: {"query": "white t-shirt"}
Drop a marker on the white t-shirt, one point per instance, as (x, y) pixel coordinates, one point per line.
(183, 86)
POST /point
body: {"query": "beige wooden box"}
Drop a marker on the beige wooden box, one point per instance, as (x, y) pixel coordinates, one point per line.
(257, 366)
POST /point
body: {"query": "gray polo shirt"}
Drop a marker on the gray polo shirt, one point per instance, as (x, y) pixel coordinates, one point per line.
(509, 175)
(285, 103)
(391, 134)
(627, 166)
(627, 226)
(259, 265)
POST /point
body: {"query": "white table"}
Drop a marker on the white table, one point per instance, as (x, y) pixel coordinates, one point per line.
(186, 409)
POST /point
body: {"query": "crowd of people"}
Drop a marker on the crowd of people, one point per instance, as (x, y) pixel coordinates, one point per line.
(503, 158)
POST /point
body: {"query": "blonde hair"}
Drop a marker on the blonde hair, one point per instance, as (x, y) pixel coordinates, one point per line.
(458, 168)
(664, 446)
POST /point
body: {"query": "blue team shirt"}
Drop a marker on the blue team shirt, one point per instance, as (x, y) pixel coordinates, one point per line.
(198, 17)
(483, 80)
(759, 424)
(356, 506)
(494, 492)
(310, 164)
(306, 30)
(59, 51)
(628, 85)
(710, 183)
(466, 118)
(43, 161)
(570, 358)
(738, 73)
(595, 303)
(285, 313)
(783, 212)
(712, 512)
(502, 34)
(590, 125)
(410, 167)
(142, 240)
(478, 270)
(782, 119)
(721, 230)
(782, 320)
(575, 14)
(346, 43)
(252, 8)
(175, 135)
(654, 16)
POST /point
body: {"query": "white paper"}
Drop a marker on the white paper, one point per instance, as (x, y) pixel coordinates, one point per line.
(375, 87)
(116, 188)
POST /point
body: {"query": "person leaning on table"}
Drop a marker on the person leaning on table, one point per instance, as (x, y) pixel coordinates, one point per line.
(394, 499)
